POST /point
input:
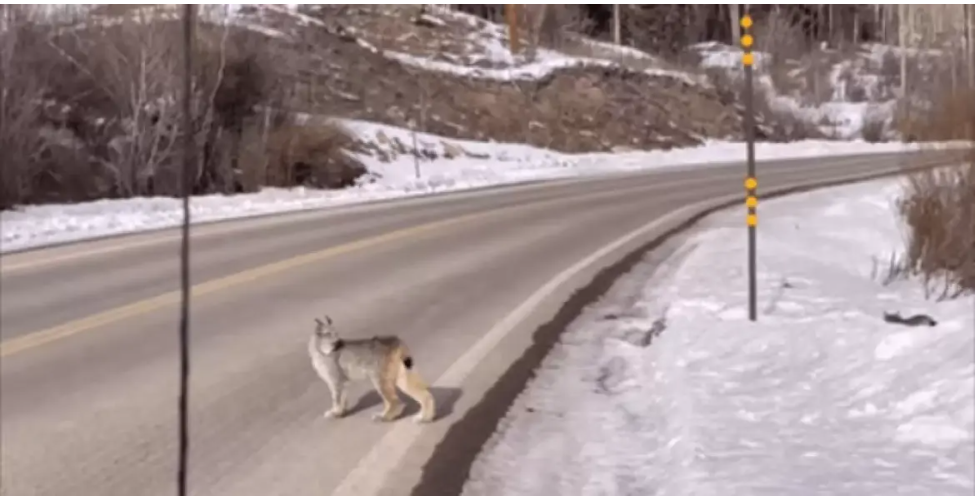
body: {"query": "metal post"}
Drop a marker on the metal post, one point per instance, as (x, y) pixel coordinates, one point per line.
(416, 151)
(186, 188)
(750, 182)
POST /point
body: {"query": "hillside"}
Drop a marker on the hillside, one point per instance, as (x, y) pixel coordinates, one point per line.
(452, 75)
(838, 93)
(109, 79)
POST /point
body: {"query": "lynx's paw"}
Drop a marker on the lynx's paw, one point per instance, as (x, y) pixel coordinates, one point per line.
(381, 417)
(419, 418)
(389, 414)
(333, 414)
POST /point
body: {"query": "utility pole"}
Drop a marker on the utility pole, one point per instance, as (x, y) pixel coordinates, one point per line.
(186, 180)
(616, 24)
(750, 182)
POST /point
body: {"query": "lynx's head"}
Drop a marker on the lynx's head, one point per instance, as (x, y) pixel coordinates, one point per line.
(326, 336)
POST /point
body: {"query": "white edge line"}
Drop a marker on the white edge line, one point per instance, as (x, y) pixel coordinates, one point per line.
(368, 477)
(371, 472)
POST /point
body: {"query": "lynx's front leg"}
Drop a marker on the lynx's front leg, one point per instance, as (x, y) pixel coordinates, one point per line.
(338, 389)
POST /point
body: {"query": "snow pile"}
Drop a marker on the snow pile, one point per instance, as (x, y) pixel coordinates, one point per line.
(666, 388)
(444, 165)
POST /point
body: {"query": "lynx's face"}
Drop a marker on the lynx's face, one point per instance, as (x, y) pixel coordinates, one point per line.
(325, 332)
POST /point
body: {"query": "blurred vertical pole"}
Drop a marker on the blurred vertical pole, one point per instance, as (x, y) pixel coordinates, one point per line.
(416, 151)
(750, 182)
(187, 188)
(616, 24)
(735, 20)
(969, 43)
(902, 36)
(511, 17)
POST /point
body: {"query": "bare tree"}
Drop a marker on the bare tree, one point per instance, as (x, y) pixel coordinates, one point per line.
(21, 103)
(131, 72)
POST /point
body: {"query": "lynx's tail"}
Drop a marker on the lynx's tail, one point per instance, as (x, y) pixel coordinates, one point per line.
(412, 384)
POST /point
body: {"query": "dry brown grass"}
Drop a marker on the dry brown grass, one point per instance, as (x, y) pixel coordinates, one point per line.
(937, 205)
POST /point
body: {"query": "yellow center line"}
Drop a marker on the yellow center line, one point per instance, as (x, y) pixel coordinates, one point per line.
(38, 338)
(206, 229)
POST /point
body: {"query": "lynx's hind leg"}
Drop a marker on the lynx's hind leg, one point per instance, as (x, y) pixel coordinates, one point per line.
(413, 385)
(385, 384)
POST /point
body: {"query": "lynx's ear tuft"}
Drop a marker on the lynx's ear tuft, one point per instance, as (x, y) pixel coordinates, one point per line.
(321, 329)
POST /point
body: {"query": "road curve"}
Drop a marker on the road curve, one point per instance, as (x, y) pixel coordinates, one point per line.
(88, 341)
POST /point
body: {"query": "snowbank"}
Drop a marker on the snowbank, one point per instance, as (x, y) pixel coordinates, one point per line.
(665, 387)
(480, 164)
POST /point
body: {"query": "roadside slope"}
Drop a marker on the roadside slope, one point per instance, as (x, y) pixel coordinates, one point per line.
(665, 387)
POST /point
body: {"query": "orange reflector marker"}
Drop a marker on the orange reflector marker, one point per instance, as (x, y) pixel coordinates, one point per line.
(751, 183)
(746, 22)
(751, 202)
(751, 220)
(747, 59)
(747, 41)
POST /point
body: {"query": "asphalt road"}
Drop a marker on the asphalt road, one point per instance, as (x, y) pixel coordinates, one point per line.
(88, 360)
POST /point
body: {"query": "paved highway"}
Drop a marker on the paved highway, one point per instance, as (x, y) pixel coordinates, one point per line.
(88, 358)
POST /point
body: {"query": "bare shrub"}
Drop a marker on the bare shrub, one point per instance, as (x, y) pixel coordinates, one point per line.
(20, 105)
(874, 129)
(42, 159)
(937, 206)
(127, 76)
(774, 123)
(948, 116)
(312, 155)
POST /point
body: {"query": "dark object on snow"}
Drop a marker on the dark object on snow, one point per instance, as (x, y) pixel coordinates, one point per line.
(916, 320)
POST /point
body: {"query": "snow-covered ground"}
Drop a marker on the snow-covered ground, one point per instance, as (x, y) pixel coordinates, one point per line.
(665, 387)
(457, 165)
